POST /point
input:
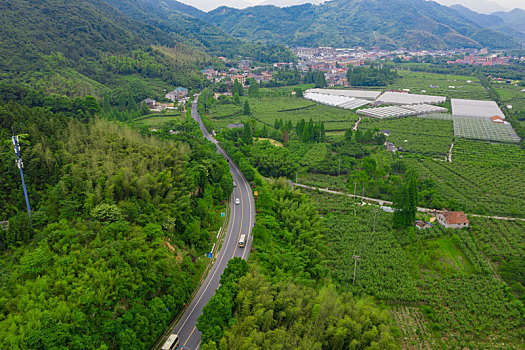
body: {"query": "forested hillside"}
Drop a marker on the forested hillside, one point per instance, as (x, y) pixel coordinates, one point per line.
(105, 47)
(190, 26)
(88, 47)
(109, 254)
(345, 23)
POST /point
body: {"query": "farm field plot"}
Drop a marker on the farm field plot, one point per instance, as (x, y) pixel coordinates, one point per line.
(485, 178)
(481, 189)
(499, 239)
(307, 155)
(267, 109)
(415, 333)
(439, 116)
(474, 311)
(384, 269)
(512, 95)
(417, 81)
(324, 181)
(160, 120)
(424, 136)
(484, 129)
(440, 290)
(220, 111)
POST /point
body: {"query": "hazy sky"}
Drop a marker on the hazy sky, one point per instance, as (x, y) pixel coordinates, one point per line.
(485, 6)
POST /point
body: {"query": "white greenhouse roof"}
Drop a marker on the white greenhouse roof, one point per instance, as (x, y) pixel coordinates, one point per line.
(336, 101)
(401, 98)
(475, 108)
(363, 94)
(401, 111)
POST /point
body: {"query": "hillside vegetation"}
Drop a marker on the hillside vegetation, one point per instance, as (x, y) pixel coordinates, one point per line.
(345, 23)
(118, 220)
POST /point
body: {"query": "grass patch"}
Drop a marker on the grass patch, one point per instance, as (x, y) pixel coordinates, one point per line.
(160, 120)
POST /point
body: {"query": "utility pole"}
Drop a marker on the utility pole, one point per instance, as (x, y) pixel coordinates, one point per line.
(355, 257)
(375, 216)
(20, 166)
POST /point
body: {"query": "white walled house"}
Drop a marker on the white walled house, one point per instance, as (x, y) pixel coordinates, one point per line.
(453, 219)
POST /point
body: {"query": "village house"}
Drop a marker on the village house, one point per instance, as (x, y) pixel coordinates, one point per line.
(266, 76)
(453, 219)
(423, 225)
(150, 102)
(390, 147)
(497, 119)
(177, 94)
(240, 78)
(245, 65)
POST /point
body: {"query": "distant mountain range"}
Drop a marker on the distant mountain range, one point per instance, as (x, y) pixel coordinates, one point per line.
(512, 23)
(93, 29)
(480, 6)
(389, 24)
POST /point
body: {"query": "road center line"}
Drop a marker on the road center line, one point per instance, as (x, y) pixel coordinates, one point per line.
(216, 266)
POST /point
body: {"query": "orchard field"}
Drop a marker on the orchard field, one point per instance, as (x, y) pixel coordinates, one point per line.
(439, 284)
(452, 86)
(430, 137)
(265, 110)
(486, 178)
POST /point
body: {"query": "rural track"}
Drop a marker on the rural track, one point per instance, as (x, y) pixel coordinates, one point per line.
(384, 202)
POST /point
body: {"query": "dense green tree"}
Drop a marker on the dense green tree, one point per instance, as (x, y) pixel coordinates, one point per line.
(118, 217)
(237, 88)
(371, 76)
(246, 109)
(405, 202)
(253, 90)
(264, 132)
(299, 128)
(348, 134)
(218, 312)
(247, 134)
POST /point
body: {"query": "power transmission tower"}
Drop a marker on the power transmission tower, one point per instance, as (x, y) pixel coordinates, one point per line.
(20, 165)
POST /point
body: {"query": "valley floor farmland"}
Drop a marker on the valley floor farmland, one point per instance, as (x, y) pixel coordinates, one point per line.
(483, 178)
(437, 283)
(453, 86)
(443, 288)
(266, 110)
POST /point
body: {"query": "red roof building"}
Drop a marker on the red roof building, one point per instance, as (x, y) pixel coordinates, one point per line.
(453, 219)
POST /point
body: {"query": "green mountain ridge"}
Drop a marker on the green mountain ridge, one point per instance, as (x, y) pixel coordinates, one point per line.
(181, 21)
(93, 47)
(389, 24)
(77, 29)
(89, 47)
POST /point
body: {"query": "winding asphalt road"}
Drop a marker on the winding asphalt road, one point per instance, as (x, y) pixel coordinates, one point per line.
(242, 219)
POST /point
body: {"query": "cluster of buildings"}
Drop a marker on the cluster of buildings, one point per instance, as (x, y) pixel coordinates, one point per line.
(179, 95)
(242, 73)
(334, 61)
(483, 60)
